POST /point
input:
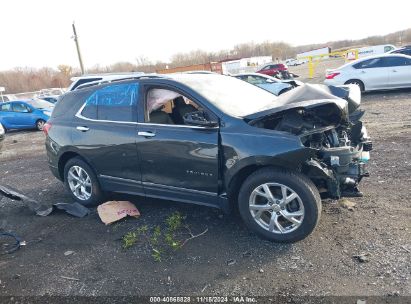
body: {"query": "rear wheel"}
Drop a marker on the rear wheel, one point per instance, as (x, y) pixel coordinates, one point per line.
(356, 82)
(40, 124)
(279, 205)
(82, 183)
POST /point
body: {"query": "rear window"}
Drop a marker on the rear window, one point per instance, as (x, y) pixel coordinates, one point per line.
(83, 81)
(113, 102)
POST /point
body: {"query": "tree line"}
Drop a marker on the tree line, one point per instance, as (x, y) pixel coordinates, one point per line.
(30, 79)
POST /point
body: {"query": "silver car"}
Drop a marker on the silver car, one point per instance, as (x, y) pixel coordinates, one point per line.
(382, 72)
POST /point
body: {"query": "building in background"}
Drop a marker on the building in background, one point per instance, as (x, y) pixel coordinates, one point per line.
(244, 65)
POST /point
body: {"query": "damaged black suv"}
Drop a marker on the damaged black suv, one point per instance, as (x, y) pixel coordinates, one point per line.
(212, 140)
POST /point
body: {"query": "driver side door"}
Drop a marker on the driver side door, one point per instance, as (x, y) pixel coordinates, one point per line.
(22, 115)
(177, 160)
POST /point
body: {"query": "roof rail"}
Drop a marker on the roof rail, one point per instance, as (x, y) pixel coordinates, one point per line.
(99, 82)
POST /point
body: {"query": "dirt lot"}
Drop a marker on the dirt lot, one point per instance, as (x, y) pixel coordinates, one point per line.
(228, 259)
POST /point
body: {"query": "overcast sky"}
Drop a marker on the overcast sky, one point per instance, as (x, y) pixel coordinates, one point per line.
(38, 33)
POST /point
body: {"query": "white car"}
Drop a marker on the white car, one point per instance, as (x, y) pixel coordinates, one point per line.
(382, 72)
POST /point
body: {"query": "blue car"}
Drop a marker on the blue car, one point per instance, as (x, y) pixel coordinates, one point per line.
(27, 114)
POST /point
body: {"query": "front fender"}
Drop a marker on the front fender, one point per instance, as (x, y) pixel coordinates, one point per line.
(279, 149)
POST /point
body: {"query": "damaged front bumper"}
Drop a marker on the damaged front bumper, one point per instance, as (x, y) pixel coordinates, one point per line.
(337, 171)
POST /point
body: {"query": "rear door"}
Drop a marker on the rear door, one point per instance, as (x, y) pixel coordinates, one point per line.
(6, 115)
(178, 160)
(373, 73)
(399, 69)
(105, 134)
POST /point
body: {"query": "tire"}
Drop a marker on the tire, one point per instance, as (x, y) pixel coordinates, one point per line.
(356, 82)
(304, 209)
(90, 187)
(40, 124)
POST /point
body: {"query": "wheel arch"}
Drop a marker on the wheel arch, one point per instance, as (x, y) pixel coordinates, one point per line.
(239, 176)
(356, 79)
(64, 158)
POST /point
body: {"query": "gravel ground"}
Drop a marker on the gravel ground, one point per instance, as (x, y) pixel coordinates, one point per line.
(228, 259)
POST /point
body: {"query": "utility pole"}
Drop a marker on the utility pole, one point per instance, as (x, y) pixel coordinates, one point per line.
(78, 49)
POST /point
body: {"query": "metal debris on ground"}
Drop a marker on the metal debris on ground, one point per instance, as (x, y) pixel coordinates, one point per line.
(113, 211)
(74, 209)
(362, 257)
(231, 262)
(33, 205)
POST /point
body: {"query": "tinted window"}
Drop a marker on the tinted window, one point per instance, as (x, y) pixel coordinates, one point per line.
(394, 61)
(83, 81)
(370, 63)
(113, 102)
(6, 107)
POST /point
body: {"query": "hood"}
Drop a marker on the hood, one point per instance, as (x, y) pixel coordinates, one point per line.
(306, 97)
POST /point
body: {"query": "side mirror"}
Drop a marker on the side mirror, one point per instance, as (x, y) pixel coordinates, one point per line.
(199, 118)
(270, 81)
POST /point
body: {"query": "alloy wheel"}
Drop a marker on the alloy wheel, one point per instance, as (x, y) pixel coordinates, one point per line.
(276, 208)
(80, 183)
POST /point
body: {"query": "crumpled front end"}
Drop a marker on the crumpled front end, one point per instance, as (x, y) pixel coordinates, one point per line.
(333, 132)
(340, 162)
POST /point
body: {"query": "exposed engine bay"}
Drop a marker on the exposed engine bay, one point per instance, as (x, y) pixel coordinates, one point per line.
(328, 124)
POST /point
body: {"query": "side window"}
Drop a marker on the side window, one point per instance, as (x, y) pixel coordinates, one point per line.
(117, 102)
(394, 61)
(388, 48)
(167, 107)
(267, 67)
(6, 107)
(20, 108)
(370, 63)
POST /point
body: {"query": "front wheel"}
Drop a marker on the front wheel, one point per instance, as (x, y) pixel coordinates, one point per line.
(279, 205)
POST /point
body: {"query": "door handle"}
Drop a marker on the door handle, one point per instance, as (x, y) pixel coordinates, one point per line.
(82, 129)
(394, 70)
(146, 134)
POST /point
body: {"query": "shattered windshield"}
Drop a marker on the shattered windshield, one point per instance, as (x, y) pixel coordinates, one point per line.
(232, 96)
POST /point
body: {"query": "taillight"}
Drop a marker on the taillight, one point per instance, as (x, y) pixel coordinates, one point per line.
(46, 128)
(332, 75)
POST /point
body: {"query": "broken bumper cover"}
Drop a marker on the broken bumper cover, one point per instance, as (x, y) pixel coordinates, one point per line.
(338, 171)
